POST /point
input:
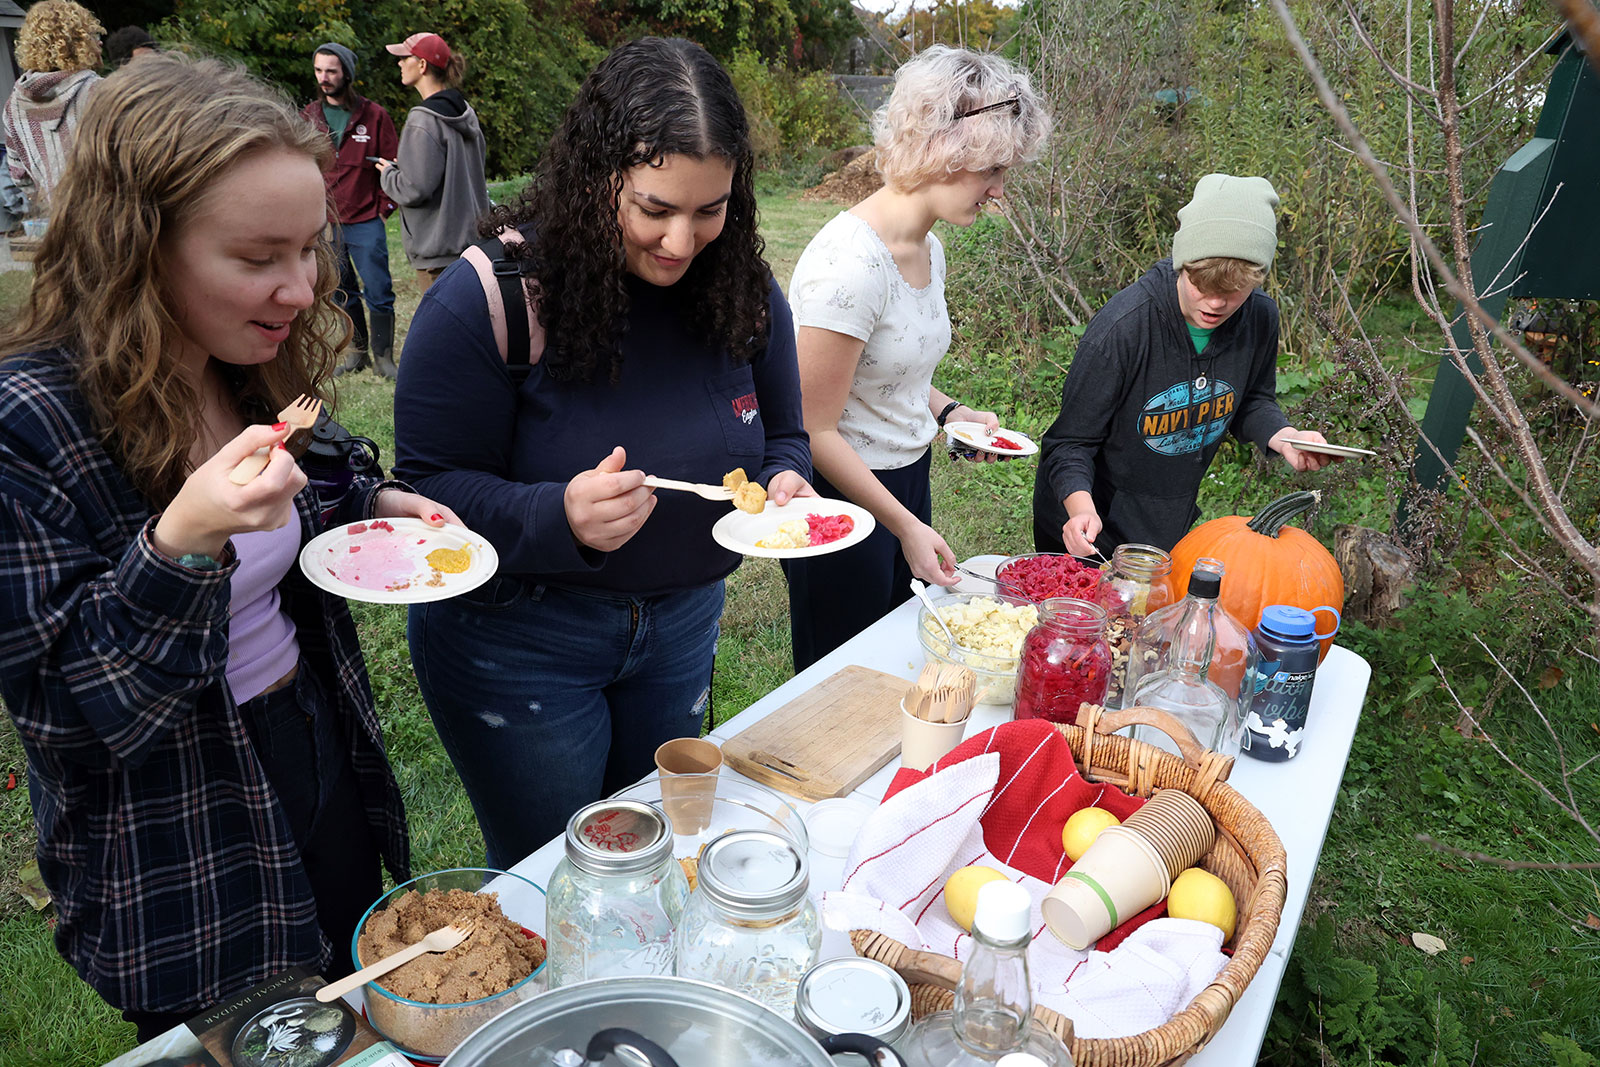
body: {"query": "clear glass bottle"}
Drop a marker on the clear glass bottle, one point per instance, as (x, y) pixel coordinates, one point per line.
(616, 896)
(750, 925)
(1065, 661)
(1135, 584)
(1196, 661)
(993, 1016)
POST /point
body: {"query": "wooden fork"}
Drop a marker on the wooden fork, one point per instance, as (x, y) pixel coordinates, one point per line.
(302, 417)
(710, 492)
(441, 940)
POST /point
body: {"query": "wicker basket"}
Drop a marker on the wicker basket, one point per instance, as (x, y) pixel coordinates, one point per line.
(1247, 856)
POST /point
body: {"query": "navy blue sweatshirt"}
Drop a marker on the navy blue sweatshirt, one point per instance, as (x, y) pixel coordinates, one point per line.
(501, 458)
(1135, 430)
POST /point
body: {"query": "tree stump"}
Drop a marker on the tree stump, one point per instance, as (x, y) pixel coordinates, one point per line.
(1377, 573)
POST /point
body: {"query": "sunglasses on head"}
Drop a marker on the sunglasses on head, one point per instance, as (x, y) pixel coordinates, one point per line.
(1015, 104)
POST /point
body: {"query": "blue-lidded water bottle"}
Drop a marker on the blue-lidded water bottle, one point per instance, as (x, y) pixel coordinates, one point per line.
(1287, 639)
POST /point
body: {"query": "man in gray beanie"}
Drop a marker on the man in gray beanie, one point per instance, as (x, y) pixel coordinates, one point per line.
(1173, 362)
(361, 130)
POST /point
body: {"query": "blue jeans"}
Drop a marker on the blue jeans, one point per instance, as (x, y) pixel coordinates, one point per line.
(548, 698)
(363, 248)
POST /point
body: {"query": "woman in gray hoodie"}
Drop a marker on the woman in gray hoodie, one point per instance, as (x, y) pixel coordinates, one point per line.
(437, 175)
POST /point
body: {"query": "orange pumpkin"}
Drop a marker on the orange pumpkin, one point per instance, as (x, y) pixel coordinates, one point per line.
(1268, 562)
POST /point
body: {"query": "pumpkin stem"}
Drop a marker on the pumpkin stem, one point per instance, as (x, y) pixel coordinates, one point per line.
(1277, 514)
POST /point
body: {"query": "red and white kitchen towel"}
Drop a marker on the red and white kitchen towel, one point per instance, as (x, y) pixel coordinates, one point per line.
(999, 800)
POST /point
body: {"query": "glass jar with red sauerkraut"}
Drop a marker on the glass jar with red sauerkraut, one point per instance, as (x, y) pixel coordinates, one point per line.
(1038, 576)
(1065, 661)
(1134, 585)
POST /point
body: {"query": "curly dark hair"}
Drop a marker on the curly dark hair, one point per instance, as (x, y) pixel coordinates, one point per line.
(647, 99)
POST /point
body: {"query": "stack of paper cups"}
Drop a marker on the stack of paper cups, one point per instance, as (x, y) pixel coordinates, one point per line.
(1121, 875)
(1179, 828)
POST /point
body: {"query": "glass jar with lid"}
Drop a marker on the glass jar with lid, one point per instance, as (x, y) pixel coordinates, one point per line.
(853, 995)
(616, 896)
(750, 925)
(1066, 661)
(1135, 584)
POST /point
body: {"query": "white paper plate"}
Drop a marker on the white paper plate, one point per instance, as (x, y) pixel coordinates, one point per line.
(1327, 449)
(738, 531)
(385, 561)
(971, 435)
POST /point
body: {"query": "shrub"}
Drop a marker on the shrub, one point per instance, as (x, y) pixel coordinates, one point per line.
(792, 113)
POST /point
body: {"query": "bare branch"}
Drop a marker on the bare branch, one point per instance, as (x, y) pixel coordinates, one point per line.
(1510, 865)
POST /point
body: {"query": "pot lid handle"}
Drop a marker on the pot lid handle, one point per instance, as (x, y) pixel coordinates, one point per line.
(632, 1049)
(867, 1047)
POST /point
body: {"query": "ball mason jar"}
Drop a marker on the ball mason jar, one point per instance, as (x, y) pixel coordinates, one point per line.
(1135, 584)
(1066, 661)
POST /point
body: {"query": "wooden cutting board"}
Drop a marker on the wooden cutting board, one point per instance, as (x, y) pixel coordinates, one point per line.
(827, 740)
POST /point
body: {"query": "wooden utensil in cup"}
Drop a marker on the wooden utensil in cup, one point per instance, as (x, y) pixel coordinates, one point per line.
(440, 940)
(302, 419)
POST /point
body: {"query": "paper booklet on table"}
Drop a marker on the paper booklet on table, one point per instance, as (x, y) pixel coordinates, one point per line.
(278, 1023)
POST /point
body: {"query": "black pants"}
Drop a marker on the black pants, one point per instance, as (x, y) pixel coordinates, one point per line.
(834, 597)
(308, 763)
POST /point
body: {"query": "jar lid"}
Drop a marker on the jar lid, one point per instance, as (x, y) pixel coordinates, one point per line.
(833, 824)
(753, 874)
(1288, 621)
(617, 837)
(852, 995)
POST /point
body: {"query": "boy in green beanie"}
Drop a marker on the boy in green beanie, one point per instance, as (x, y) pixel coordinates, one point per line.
(1170, 364)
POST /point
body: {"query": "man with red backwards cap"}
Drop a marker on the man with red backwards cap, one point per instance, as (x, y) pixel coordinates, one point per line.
(437, 178)
(360, 129)
(1173, 362)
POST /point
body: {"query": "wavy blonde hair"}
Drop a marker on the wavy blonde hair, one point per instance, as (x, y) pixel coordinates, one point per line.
(59, 35)
(155, 138)
(919, 137)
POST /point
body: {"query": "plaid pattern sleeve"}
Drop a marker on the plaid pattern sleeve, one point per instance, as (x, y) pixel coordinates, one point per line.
(175, 873)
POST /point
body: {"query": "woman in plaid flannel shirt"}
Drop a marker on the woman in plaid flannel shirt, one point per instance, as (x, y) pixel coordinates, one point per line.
(205, 763)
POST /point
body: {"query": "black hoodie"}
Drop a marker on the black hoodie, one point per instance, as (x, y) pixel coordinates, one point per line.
(1136, 431)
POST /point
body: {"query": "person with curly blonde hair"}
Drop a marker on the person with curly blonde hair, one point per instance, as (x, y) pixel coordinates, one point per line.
(58, 48)
(869, 310)
(205, 764)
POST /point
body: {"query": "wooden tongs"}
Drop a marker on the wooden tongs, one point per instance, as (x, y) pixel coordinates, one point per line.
(302, 419)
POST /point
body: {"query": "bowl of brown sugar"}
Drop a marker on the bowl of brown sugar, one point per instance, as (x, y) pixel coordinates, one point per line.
(428, 1006)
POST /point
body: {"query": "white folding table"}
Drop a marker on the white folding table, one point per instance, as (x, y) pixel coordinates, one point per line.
(1297, 797)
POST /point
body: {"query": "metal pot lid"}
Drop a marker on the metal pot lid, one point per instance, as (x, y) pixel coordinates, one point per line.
(618, 837)
(699, 1024)
(753, 874)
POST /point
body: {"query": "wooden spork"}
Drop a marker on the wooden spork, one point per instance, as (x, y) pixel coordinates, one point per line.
(302, 419)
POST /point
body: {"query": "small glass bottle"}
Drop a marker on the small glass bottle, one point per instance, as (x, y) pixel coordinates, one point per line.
(1232, 665)
(993, 1016)
(1065, 661)
(1135, 584)
(616, 896)
(750, 925)
(1195, 662)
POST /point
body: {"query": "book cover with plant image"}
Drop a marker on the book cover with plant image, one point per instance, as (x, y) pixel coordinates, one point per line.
(280, 1023)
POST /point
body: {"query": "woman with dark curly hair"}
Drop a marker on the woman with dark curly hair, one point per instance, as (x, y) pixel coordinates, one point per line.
(661, 341)
(205, 763)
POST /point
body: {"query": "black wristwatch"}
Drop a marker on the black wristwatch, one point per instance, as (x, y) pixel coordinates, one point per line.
(945, 414)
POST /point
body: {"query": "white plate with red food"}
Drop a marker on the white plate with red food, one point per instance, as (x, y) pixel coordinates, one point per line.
(805, 526)
(398, 561)
(1002, 442)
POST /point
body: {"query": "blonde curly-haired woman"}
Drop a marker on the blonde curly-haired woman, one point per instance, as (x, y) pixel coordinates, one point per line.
(58, 48)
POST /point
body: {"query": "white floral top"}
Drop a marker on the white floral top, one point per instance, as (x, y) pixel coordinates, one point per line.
(846, 281)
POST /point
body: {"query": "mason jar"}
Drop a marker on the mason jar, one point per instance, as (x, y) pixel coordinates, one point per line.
(750, 925)
(1135, 584)
(1066, 661)
(616, 896)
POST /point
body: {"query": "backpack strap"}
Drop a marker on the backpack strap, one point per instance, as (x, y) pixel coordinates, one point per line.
(518, 338)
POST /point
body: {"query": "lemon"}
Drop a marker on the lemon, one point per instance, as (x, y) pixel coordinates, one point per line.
(1201, 895)
(1082, 828)
(961, 892)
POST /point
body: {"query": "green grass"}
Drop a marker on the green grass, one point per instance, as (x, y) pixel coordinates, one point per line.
(1357, 992)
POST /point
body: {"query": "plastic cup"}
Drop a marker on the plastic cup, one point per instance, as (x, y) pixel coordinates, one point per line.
(688, 802)
(1120, 876)
(1177, 825)
(922, 742)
